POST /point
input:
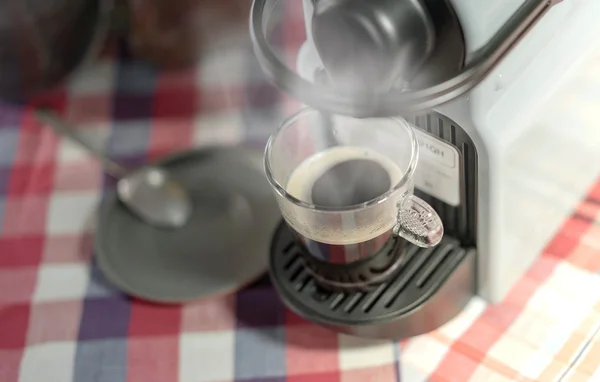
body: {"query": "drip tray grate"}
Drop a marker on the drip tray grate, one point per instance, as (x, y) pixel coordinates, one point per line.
(432, 286)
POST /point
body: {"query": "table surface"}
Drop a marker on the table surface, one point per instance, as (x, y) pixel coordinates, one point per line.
(60, 320)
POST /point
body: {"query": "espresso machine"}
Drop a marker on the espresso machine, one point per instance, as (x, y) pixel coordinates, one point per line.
(507, 149)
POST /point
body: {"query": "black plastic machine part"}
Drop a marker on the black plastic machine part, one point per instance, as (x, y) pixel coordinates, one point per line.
(430, 287)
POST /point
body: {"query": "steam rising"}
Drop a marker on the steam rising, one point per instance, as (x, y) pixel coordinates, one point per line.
(353, 182)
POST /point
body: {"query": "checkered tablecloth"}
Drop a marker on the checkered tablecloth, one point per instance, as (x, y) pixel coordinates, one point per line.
(61, 321)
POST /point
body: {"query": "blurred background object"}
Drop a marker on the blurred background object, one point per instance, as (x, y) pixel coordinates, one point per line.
(42, 41)
(174, 34)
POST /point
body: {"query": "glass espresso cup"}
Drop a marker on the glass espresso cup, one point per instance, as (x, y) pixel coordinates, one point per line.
(345, 185)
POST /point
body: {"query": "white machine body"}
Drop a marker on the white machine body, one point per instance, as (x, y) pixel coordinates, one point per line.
(535, 124)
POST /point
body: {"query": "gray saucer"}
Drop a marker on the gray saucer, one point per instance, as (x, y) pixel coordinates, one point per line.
(223, 247)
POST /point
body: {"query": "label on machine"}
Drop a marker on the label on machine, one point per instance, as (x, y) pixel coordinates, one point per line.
(438, 170)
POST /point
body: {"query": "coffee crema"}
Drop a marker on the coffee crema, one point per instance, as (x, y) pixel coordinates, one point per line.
(345, 176)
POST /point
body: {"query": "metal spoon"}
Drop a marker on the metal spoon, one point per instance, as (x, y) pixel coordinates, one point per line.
(148, 192)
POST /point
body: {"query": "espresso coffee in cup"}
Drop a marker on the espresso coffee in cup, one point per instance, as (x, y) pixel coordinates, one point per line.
(345, 188)
(340, 178)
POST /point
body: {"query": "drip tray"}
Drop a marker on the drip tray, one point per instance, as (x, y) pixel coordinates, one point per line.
(432, 287)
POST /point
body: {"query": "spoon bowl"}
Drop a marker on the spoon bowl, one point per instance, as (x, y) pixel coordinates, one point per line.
(149, 192)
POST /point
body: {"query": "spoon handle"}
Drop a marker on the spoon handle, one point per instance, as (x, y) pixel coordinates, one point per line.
(61, 128)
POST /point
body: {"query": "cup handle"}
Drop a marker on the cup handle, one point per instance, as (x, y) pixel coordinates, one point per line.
(418, 222)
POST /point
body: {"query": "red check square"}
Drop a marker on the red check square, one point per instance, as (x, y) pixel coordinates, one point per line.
(174, 103)
(161, 354)
(87, 109)
(368, 374)
(10, 362)
(311, 348)
(148, 319)
(478, 339)
(209, 315)
(54, 322)
(542, 268)
(174, 80)
(31, 179)
(25, 216)
(54, 99)
(562, 245)
(575, 227)
(332, 376)
(162, 139)
(78, 176)
(21, 251)
(17, 286)
(220, 99)
(457, 365)
(293, 319)
(15, 322)
(36, 145)
(68, 248)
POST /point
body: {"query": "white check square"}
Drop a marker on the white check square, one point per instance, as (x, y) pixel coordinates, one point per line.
(484, 374)
(207, 357)
(62, 282)
(356, 353)
(515, 353)
(570, 280)
(71, 212)
(224, 68)
(423, 353)
(219, 128)
(52, 361)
